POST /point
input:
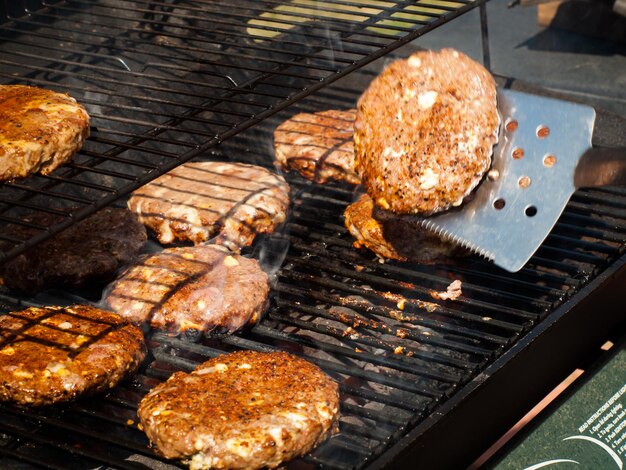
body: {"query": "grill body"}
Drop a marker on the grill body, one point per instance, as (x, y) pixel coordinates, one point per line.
(415, 373)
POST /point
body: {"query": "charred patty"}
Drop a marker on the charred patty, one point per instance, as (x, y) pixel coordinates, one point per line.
(395, 237)
(201, 288)
(424, 132)
(90, 251)
(319, 145)
(241, 410)
(55, 354)
(39, 130)
(198, 201)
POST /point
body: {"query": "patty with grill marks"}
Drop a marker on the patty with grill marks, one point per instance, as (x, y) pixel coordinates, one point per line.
(195, 202)
(54, 354)
(395, 237)
(245, 409)
(202, 288)
(40, 130)
(319, 145)
(424, 132)
(89, 252)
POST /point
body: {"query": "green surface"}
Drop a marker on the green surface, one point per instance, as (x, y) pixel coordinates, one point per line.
(285, 17)
(586, 431)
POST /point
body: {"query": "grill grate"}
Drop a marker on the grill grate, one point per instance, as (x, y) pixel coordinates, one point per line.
(162, 88)
(338, 307)
(165, 82)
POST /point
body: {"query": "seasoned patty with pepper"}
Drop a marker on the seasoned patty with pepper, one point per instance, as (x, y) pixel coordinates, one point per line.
(241, 410)
(319, 145)
(203, 288)
(55, 354)
(232, 202)
(39, 130)
(395, 237)
(90, 251)
(424, 132)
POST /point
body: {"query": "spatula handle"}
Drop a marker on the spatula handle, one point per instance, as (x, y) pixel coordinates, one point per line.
(601, 167)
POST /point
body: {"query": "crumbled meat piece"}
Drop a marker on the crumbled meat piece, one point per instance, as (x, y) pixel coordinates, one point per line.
(396, 237)
(452, 292)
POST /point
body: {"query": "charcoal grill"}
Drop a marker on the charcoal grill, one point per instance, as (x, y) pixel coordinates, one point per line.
(422, 380)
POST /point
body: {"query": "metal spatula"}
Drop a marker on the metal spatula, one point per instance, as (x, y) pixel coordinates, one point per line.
(543, 155)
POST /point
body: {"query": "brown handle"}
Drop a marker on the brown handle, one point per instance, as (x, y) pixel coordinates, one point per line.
(601, 167)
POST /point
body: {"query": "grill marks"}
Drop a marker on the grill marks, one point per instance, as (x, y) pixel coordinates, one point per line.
(12, 335)
(54, 354)
(318, 145)
(232, 202)
(199, 288)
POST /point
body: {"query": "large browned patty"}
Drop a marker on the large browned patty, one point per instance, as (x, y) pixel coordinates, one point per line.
(198, 201)
(241, 410)
(202, 288)
(319, 145)
(90, 251)
(39, 130)
(395, 237)
(424, 132)
(55, 354)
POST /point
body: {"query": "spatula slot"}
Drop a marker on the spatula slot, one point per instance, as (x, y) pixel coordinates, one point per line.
(549, 161)
(524, 182)
(531, 211)
(543, 132)
(493, 175)
(499, 204)
(511, 125)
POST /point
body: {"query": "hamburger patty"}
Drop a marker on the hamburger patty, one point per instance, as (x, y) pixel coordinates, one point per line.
(241, 410)
(197, 201)
(201, 288)
(54, 354)
(424, 132)
(39, 130)
(319, 146)
(90, 251)
(395, 237)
